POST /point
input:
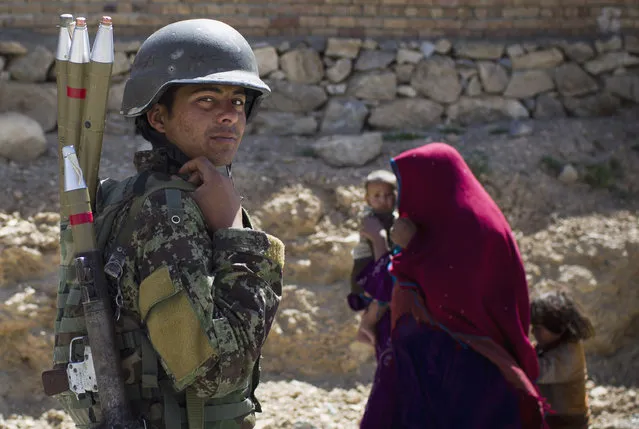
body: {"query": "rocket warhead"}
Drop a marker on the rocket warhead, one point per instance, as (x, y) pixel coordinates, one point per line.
(64, 38)
(79, 52)
(73, 177)
(102, 51)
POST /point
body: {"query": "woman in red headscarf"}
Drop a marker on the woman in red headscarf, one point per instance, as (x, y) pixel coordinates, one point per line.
(459, 355)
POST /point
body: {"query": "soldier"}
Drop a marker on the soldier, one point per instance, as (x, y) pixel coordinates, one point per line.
(196, 288)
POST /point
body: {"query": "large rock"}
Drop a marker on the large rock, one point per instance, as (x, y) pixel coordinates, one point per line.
(340, 70)
(436, 78)
(610, 61)
(406, 113)
(284, 124)
(603, 104)
(38, 102)
(294, 97)
(597, 259)
(33, 67)
(373, 86)
(344, 116)
(473, 87)
(469, 110)
(538, 60)
(611, 44)
(314, 329)
(343, 48)
(624, 86)
(494, 77)
(404, 72)
(267, 60)
(374, 60)
(578, 51)
(572, 81)
(116, 92)
(11, 47)
(21, 138)
(631, 44)
(548, 106)
(479, 50)
(121, 64)
(320, 258)
(349, 150)
(525, 84)
(408, 56)
(291, 213)
(302, 65)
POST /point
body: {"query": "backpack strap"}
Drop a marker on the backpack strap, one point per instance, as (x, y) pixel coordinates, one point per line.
(173, 189)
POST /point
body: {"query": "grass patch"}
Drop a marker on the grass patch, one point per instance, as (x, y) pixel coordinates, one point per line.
(478, 164)
(308, 152)
(551, 165)
(499, 131)
(451, 129)
(603, 174)
(402, 136)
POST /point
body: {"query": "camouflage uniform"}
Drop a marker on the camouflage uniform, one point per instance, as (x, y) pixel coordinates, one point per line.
(206, 301)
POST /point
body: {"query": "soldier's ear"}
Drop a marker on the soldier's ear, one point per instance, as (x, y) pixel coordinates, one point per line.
(155, 116)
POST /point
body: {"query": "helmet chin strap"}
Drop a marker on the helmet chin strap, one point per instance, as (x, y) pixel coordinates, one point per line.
(225, 170)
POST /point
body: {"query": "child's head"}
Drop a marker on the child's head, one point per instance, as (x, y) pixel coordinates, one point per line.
(380, 189)
(555, 316)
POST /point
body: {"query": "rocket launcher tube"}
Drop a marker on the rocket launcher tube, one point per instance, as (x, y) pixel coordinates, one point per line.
(76, 89)
(96, 302)
(61, 60)
(99, 79)
(78, 204)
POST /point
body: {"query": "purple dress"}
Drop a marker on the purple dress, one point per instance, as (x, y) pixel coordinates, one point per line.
(424, 377)
(377, 282)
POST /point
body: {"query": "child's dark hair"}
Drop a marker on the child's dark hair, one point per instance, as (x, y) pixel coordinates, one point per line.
(557, 312)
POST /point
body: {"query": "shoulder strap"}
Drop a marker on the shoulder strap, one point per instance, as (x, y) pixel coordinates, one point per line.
(173, 189)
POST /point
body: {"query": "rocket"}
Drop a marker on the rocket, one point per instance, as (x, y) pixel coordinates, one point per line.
(61, 61)
(96, 304)
(97, 85)
(76, 90)
(78, 203)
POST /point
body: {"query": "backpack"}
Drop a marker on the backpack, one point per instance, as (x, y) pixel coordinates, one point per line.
(135, 348)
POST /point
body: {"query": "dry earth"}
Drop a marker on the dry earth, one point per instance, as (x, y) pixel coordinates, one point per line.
(315, 377)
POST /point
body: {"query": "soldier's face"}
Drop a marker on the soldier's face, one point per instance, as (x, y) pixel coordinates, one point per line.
(205, 120)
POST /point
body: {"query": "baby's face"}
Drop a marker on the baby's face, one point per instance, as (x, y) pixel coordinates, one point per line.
(380, 197)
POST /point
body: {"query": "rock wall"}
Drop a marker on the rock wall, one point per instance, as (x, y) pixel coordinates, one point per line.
(346, 86)
(346, 18)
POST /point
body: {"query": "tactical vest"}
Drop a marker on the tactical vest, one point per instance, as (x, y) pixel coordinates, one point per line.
(148, 389)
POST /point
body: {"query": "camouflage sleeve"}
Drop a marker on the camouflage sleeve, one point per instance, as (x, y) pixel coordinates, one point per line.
(208, 301)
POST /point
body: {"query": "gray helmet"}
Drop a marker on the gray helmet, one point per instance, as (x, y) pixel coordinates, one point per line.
(195, 51)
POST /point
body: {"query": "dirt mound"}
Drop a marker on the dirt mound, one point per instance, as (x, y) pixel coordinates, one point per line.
(569, 188)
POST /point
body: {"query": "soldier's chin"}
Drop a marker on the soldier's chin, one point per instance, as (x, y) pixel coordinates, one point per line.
(221, 159)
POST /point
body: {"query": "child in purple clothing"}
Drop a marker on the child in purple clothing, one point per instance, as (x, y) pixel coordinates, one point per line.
(370, 283)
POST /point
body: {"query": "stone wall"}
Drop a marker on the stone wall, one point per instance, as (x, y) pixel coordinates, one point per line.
(346, 18)
(346, 86)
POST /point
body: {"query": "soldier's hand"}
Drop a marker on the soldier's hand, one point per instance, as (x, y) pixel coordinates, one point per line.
(215, 194)
(402, 231)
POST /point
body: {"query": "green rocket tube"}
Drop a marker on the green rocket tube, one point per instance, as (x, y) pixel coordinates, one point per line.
(99, 78)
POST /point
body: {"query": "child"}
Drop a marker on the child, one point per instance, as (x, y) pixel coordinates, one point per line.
(560, 328)
(370, 256)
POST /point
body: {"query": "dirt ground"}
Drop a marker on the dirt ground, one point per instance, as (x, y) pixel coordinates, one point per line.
(520, 171)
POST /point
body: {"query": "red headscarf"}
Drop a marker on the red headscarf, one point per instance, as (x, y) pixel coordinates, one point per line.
(463, 258)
